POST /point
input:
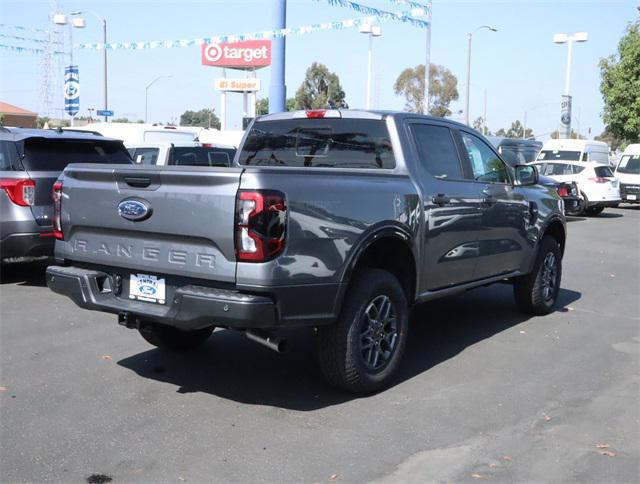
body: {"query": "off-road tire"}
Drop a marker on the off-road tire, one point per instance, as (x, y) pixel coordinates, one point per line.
(340, 347)
(167, 337)
(529, 290)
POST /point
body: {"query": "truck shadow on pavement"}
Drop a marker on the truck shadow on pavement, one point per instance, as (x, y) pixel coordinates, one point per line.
(230, 366)
(25, 273)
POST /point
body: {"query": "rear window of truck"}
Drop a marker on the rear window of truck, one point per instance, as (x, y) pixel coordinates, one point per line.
(202, 156)
(330, 143)
(42, 154)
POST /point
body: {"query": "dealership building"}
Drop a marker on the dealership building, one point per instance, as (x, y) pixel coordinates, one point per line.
(14, 116)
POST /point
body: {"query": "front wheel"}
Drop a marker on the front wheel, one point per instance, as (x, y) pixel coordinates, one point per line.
(168, 337)
(537, 292)
(362, 350)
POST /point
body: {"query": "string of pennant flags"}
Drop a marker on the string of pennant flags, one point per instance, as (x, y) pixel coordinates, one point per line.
(408, 17)
(339, 25)
(25, 29)
(29, 39)
(28, 50)
(418, 8)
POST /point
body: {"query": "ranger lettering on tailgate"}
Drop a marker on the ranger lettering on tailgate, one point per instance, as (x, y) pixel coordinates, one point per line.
(148, 253)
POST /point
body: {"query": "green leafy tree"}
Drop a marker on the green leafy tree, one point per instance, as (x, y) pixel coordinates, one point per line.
(121, 120)
(1, 118)
(620, 87)
(41, 121)
(320, 89)
(443, 89)
(262, 105)
(205, 118)
(479, 125)
(517, 130)
(613, 142)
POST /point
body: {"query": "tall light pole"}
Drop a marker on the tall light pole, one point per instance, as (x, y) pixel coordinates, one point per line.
(469, 37)
(78, 23)
(146, 95)
(104, 56)
(372, 31)
(565, 106)
(427, 63)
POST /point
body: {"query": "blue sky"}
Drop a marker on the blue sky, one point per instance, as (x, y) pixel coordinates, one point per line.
(519, 66)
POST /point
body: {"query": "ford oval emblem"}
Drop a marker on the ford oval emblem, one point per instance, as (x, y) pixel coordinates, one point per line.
(135, 210)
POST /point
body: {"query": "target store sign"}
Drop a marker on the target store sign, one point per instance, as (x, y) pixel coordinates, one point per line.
(238, 55)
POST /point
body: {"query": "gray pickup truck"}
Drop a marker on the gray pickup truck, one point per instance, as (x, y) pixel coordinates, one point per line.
(339, 220)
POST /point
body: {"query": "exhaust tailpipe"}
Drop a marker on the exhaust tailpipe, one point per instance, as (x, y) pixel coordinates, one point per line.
(271, 341)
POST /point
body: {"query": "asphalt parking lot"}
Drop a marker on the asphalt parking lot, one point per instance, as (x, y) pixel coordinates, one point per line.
(485, 393)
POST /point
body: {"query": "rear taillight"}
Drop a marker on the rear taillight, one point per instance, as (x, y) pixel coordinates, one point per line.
(20, 191)
(599, 179)
(56, 195)
(563, 192)
(261, 220)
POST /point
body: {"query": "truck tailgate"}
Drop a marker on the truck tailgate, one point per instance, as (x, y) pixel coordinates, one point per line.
(187, 230)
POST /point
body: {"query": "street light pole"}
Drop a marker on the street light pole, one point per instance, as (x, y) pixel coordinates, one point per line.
(104, 55)
(371, 31)
(565, 106)
(427, 63)
(61, 19)
(146, 95)
(469, 37)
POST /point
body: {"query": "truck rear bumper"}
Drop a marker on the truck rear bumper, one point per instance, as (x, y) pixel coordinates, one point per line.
(191, 307)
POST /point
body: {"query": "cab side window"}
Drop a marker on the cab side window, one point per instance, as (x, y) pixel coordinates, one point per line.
(437, 151)
(485, 164)
(145, 156)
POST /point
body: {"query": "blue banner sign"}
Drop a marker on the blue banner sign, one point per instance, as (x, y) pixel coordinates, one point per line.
(104, 112)
(71, 90)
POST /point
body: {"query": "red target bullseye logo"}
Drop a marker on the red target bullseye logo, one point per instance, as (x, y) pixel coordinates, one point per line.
(213, 52)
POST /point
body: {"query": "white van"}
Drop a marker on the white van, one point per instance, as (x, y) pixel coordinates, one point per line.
(130, 133)
(628, 172)
(574, 150)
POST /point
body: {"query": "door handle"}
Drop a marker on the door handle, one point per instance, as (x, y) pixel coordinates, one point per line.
(137, 182)
(441, 199)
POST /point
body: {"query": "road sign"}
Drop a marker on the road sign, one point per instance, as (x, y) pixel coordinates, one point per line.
(71, 90)
(104, 112)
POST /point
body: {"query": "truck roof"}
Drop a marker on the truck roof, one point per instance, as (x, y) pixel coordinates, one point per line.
(354, 114)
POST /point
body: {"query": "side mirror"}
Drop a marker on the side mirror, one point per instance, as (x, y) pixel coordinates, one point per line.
(526, 175)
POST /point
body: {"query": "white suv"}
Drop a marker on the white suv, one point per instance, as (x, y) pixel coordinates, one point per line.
(598, 186)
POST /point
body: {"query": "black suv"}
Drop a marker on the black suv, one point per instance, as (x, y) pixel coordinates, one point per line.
(30, 162)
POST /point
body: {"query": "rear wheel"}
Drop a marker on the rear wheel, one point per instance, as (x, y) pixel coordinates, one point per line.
(593, 211)
(537, 292)
(170, 338)
(362, 350)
